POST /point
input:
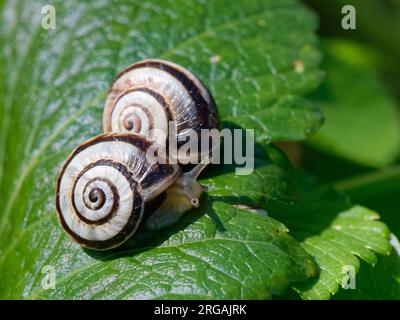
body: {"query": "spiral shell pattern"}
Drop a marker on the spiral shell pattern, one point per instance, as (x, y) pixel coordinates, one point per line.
(150, 93)
(103, 187)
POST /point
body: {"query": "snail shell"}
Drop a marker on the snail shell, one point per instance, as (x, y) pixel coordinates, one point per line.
(149, 94)
(103, 186)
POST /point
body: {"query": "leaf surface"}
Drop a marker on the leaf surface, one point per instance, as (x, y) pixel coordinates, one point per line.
(336, 234)
(379, 282)
(51, 99)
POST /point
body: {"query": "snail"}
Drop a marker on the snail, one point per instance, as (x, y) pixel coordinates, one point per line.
(146, 96)
(108, 184)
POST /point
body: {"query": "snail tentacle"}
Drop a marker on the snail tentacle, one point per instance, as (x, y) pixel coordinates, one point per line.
(180, 197)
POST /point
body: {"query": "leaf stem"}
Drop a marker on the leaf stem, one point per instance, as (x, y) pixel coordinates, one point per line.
(365, 185)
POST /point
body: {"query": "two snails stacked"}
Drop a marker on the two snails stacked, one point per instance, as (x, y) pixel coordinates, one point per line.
(111, 183)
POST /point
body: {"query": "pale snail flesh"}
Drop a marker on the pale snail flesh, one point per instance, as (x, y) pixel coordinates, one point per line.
(106, 182)
(149, 94)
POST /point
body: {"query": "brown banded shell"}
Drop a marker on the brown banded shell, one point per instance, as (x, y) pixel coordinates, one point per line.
(149, 94)
(103, 186)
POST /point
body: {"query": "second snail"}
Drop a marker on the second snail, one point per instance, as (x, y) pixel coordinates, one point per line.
(110, 184)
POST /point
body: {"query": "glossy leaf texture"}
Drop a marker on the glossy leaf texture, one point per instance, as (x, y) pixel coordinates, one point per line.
(337, 234)
(257, 57)
(379, 282)
(226, 253)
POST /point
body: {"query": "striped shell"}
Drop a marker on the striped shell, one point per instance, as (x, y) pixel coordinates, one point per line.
(149, 94)
(103, 186)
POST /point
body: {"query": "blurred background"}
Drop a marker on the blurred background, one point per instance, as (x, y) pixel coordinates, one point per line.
(358, 146)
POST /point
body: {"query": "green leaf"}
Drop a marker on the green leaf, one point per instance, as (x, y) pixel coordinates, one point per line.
(256, 56)
(379, 282)
(284, 120)
(378, 190)
(362, 120)
(336, 234)
(229, 253)
(272, 179)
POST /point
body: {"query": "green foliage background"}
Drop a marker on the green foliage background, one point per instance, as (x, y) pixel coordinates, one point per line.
(324, 104)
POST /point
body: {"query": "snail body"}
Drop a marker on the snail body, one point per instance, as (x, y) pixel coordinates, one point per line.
(106, 182)
(146, 96)
(115, 182)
